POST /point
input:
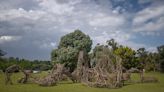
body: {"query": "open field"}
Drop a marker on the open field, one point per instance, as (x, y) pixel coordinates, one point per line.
(77, 87)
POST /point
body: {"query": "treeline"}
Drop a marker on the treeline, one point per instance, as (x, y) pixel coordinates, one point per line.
(70, 44)
(140, 59)
(25, 64)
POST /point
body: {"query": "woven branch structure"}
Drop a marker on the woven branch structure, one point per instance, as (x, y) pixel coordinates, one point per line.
(107, 72)
(104, 74)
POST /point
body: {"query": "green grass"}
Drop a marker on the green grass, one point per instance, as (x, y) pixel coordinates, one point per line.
(77, 87)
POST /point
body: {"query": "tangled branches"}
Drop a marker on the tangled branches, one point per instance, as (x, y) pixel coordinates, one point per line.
(104, 74)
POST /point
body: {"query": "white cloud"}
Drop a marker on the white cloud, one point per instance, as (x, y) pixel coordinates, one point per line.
(48, 45)
(43, 25)
(148, 13)
(151, 26)
(104, 36)
(134, 45)
(152, 49)
(56, 8)
(123, 39)
(103, 20)
(149, 19)
(4, 39)
(20, 13)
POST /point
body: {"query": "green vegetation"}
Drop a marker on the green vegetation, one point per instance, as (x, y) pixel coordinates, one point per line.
(70, 44)
(69, 47)
(128, 57)
(68, 86)
(161, 56)
(67, 52)
(25, 64)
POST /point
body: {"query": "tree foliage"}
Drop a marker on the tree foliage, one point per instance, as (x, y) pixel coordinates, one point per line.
(128, 57)
(77, 40)
(142, 57)
(161, 56)
(113, 44)
(25, 64)
(69, 47)
(65, 55)
(101, 51)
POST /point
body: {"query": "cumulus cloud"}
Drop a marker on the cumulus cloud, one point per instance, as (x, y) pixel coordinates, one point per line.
(149, 19)
(103, 20)
(35, 26)
(26, 4)
(4, 39)
(148, 13)
(104, 36)
(55, 7)
(20, 13)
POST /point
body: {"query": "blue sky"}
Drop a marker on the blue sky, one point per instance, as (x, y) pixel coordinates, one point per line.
(32, 28)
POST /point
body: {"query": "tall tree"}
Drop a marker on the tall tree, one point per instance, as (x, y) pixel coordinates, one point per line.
(142, 57)
(161, 54)
(152, 62)
(69, 47)
(77, 40)
(113, 44)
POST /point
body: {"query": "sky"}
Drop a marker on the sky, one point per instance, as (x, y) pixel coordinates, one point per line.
(31, 29)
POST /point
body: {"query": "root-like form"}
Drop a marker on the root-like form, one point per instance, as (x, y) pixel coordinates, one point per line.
(147, 79)
(27, 76)
(104, 74)
(53, 78)
(8, 72)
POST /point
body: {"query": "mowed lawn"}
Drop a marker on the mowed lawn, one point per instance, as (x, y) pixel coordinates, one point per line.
(77, 87)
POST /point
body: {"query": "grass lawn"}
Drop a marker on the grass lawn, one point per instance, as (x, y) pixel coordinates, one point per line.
(77, 87)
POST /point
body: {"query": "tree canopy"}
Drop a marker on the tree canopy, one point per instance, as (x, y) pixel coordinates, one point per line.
(77, 40)
(69, 47)
(128, 56)
(161, 56)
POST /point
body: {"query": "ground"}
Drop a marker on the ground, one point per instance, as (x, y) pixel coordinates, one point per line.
(68, 86)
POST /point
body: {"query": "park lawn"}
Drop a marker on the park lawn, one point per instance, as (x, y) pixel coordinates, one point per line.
(77, 87)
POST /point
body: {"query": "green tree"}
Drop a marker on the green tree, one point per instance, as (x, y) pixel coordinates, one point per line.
(152, 62)
(102, 53)
(142, 57)
(3, 61)
(69, 47)
(161, 56)
(113, 44)
(65, 55)
(77, 40)
(128, 57)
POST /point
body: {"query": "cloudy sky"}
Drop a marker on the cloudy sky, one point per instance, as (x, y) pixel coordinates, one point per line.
(32, 28)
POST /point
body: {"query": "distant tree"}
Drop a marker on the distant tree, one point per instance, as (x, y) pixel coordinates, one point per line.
(161, 55)
(3, 63)
(152, 62)
(25, 64)
(113, 44)
(142, 57)
(128, 57)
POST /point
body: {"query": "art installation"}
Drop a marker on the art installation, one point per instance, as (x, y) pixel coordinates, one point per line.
(107, 72)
